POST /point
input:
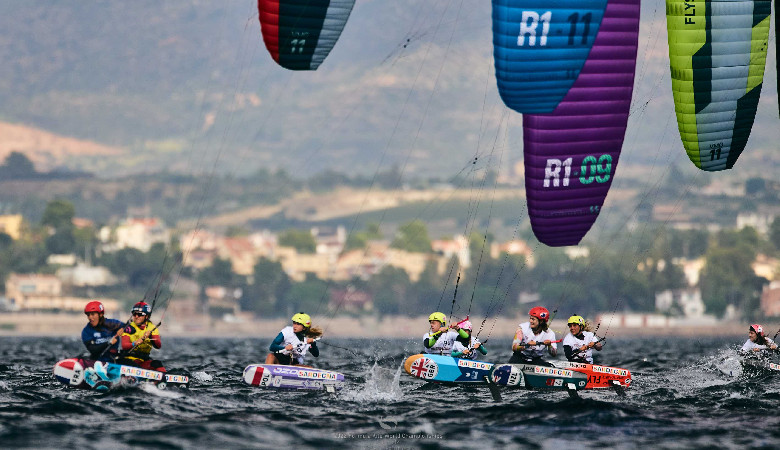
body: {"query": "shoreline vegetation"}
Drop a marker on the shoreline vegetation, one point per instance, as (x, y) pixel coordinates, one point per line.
(61, 324)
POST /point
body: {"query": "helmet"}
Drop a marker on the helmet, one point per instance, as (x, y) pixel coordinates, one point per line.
(576, 319)
(94, 307)
(758, 329)
(438, 316)
(302, 319)
(539, 312)
(142, 307)
(466, 325)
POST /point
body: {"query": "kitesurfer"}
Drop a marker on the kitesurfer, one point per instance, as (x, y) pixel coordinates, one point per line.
(140, 336)
(440, 339)
(757, 341)
(578, 345)
(532, 337)
(291, 344)
(100, 335)
(467, 347)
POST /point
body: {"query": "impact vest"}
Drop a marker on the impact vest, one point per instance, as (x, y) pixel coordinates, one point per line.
(134, 332)
(575, 344)
(750, 345)
(443, 345)
(536, 351)
(299, 347)
(459, 347)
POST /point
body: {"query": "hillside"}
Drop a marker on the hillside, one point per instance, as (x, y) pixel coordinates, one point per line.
(49, 150)
(190, 87)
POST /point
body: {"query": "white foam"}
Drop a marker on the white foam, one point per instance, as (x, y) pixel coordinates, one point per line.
(165, 393)
(380, 384)
(202, 376)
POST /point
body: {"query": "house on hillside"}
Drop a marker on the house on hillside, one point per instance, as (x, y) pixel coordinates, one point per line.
(770, 299)
(685, 302)
(12, 225)
(140, 234)
(457, 246)
(350, 299)
(35, 292)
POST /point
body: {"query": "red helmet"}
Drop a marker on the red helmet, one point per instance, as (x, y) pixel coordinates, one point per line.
(540, 313)
(758, 329)
(94, 307)
(142, 307)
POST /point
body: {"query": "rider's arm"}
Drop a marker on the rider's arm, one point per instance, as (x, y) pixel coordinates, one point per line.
(429, 342)
(155, 339)
(278, 344)
(482, 349)
(315, 352)
(569, 352)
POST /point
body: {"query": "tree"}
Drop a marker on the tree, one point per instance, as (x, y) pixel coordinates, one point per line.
(59, 214)
(413, 237)
(220, 273)
(17, 166)
(61, 242)
(306, 296)
(300, 240)
(774, 232)
(728, 279)
(270, 286)
(390, 288)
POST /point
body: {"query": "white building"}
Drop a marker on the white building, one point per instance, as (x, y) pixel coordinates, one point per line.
(688, 302)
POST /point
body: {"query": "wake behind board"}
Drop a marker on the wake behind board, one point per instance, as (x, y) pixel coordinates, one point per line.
(277, 376)
(531, 376)
(748, 366)
(102, 376)
(446, 369)
(599, 377)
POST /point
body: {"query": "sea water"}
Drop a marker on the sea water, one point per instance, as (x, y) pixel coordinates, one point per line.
(679, 398)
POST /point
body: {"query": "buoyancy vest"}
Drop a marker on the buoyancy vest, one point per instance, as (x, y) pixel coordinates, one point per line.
(536, 351)
(443, 345)
(576, 343)
(458, 346)
(133, 333)
(300, 347)
(750, 345)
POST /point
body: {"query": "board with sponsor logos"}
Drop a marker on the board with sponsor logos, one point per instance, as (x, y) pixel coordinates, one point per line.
(277, 376)
(531, 376)
(102, 376)
(599, 377)
(446, 369)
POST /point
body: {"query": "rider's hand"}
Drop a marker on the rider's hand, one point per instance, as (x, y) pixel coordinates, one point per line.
(289, 347)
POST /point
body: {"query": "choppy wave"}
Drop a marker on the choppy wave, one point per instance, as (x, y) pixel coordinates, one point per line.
(680, 398)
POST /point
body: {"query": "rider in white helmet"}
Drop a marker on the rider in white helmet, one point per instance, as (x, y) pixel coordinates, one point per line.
(467, 348)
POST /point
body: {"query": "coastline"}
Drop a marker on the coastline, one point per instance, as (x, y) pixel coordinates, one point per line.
(60, 324)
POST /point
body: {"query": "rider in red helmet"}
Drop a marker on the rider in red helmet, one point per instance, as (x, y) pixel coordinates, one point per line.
(757, 341)
(533, 337)
(100, 335)
(140, 337)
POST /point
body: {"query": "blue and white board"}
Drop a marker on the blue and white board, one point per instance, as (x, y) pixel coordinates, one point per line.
(102, 376)
(531, 376)
(446, 369)
(277, 376)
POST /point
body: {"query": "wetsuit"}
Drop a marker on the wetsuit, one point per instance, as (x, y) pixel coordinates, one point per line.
(139, 355)
(98, 339)
(298, 341)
